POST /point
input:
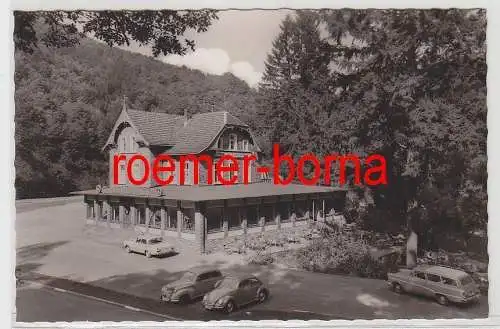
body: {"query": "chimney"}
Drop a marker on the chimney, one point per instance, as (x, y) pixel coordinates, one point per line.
(186, 119)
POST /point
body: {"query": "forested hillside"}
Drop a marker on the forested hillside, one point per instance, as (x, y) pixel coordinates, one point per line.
(67, 100)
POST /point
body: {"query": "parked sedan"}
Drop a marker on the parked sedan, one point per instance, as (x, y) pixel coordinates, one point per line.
(149, 246)
(442, 283)
(233, 292)
(193, 284)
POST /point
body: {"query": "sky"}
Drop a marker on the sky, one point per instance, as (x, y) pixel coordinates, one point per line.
(238, 42)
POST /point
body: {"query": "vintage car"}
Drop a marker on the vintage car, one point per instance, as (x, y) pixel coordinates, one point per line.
(233, 292)
(442, 283)
(193, 284)
(149, 246)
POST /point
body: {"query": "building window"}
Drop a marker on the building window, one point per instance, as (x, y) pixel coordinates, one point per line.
(131, 144)
(122, 177)
(134, 145)
(115, 213)
(155, 221)
(100, 210)
(214, 219)
(283, 211)
(137, 171)
(164, 175)
(141, 215)
(252, 216)
(227, 175)
(233, 218)
(188, 220)
(233, 142)
(171, 219)
(300, 209)
(266, 211)
(244, 145)
(187, 174)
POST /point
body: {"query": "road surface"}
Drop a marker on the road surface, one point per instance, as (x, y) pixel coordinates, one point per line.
(37, 303)
(41, 304)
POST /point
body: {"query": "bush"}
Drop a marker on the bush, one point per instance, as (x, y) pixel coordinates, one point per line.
(261, 258)
(338, 254)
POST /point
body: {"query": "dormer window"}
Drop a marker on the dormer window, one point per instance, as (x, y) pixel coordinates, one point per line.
(244, 145)
(233, 142)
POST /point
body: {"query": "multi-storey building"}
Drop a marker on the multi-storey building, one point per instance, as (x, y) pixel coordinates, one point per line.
(205, 209)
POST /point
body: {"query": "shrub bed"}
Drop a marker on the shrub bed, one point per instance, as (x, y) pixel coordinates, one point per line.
(339, 254)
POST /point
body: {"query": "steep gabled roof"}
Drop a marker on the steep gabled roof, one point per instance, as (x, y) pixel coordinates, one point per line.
(157, 128)
(162, 129)
(201, 130)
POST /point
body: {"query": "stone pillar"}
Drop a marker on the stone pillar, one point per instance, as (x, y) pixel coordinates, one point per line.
(277, 217)
(199, 227)
(225, 222)
(242, 213)
(313, 217)
(97, 213)
(107, 211)
(133, 215)
(291, 211)
(88, 207)
(262, 220)
(121, 215)
(148, 216)
(163, 213)
(324, 210)
(179, 220)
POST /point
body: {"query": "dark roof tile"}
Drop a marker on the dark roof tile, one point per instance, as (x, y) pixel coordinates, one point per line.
(201, 130)
(157, 128)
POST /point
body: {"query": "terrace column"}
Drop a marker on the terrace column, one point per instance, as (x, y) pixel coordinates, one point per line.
(324, 210)
(276, 215)
(243, 217)
(107, 211)
(199, 227)
(148, 217)
(121, 215)
(133, 214)
(88, 207)
(179, 219)
(291, 211)
(311, 219)
(262, 220)
(225, 222)
(97, 213)
(163, 214)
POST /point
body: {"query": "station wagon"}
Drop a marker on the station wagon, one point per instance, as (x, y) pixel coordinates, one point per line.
(441, 283)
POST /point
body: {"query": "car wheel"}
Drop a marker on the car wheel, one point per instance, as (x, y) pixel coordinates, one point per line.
(397, 288)
(148, 254)
(127, 248)
(230, 307)
(185, 299)
(262, 296)
(442, 300)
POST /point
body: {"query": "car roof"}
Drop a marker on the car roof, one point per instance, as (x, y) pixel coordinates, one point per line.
(241, 277)
(148, 236)
(202, 269)
(448, 272)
